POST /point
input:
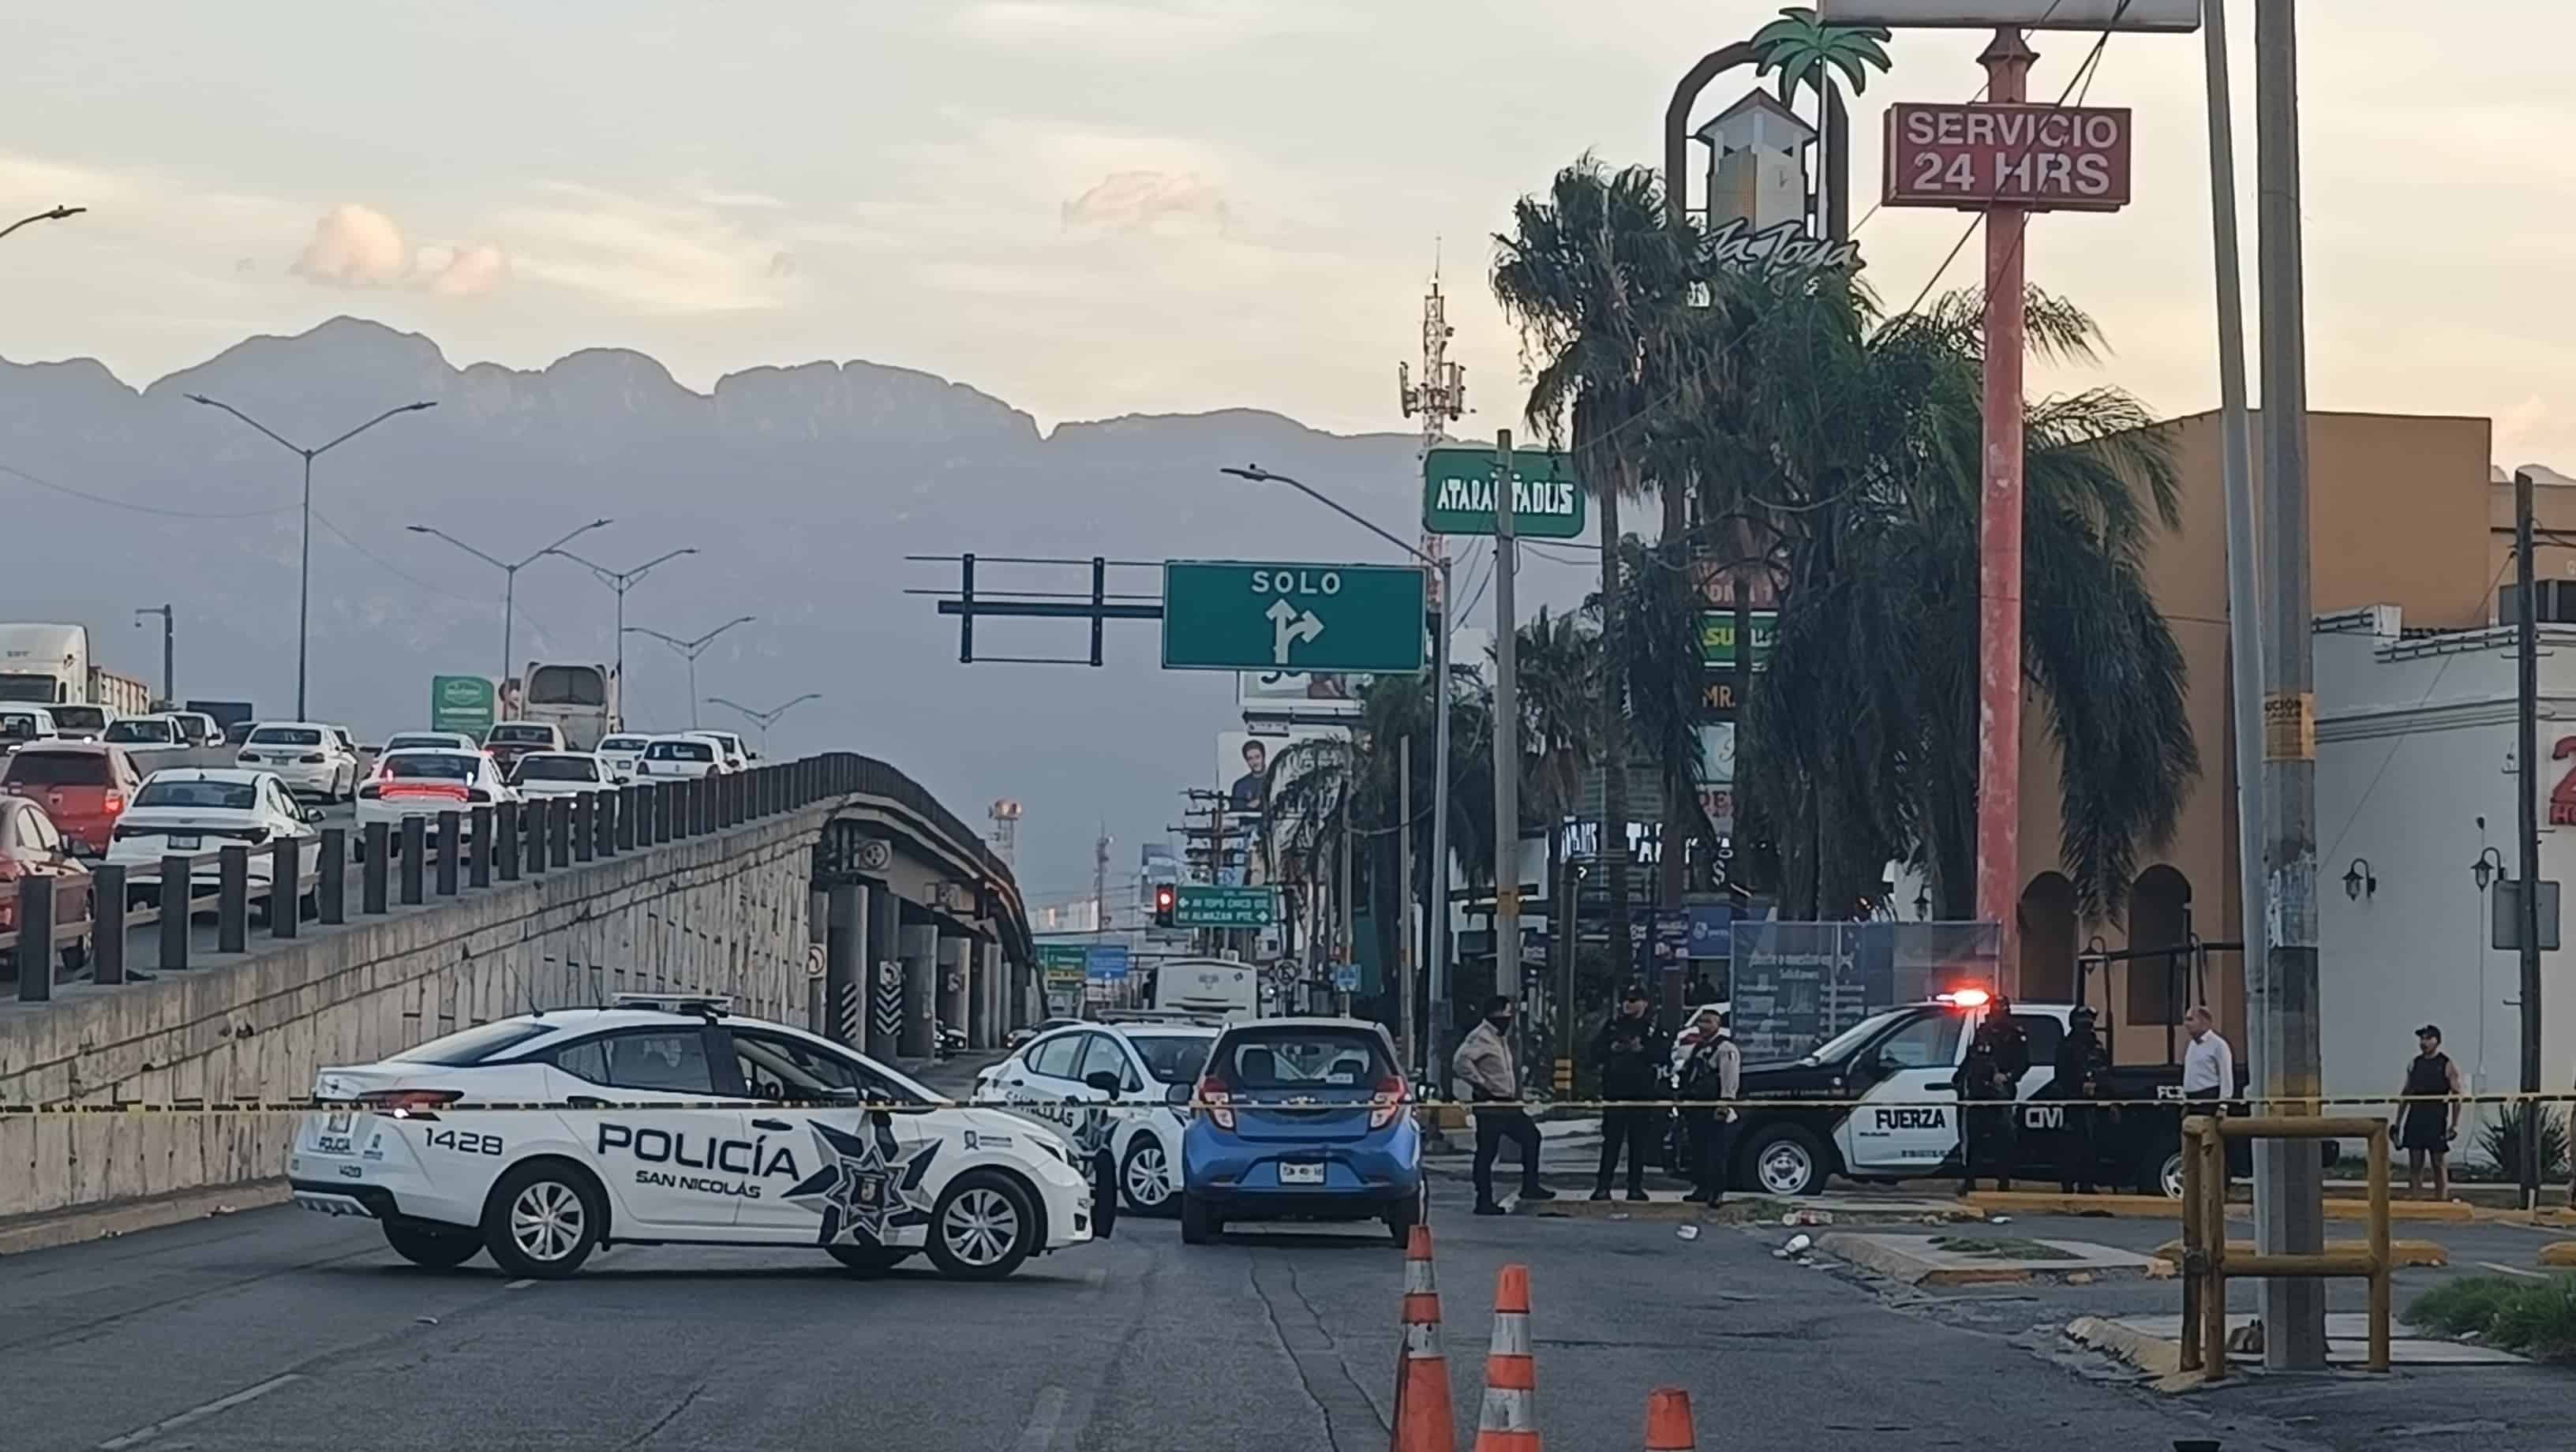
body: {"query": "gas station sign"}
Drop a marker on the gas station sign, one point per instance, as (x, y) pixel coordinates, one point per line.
(1979, 155)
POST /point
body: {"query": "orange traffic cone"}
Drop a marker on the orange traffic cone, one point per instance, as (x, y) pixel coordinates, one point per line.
(1423, 1420)
(1508, 1421)
(1668, 1421)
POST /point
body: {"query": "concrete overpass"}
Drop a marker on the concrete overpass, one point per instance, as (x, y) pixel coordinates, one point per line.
(833, 891)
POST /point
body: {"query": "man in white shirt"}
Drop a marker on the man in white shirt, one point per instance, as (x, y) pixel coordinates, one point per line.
(2208, 1065)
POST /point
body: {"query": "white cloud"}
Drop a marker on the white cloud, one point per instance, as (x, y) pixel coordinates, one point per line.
(466, 271)
(1144, 27)
(1139, 201)
(354, 246)
(653, 257)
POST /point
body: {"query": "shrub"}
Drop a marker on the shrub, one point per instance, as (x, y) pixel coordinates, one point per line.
(2530, 1318)
(2502, 1142)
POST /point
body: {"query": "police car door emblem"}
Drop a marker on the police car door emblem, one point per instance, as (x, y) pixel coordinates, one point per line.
(863, 1191)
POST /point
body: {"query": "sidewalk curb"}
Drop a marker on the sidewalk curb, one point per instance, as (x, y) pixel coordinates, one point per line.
(2153, 1355)
(125, 1217)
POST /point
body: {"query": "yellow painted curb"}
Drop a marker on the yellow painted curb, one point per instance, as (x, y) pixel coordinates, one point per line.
(2402, 1252)
(2152, 1207)
(2556, 1218)
(2559, 1254)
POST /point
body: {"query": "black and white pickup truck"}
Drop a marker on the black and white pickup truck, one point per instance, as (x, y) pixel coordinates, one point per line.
(1897, 1064)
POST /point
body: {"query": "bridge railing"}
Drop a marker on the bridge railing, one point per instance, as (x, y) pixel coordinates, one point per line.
(424, 858)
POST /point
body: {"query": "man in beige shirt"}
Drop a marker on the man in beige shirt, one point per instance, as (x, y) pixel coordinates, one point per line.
(1484, 1064)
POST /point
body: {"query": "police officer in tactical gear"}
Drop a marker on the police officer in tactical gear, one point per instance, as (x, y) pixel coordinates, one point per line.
(2080, 1062)
(1991, 1075)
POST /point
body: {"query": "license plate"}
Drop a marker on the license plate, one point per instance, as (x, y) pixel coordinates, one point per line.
(1301, 1174)
(339, 1121)
(185, 841)
(249, 757)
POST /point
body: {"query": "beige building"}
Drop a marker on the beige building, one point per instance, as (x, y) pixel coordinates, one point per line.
(2404, 511)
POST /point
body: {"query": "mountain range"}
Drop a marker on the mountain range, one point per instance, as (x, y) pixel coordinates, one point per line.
(804, 488)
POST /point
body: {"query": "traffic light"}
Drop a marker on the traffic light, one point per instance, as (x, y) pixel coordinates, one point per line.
(1166, 898)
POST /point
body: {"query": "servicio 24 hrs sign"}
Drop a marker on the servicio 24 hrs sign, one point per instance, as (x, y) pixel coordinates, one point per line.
(2043, 158)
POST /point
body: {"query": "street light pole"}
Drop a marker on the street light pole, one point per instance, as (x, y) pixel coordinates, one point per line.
(1435, 1011)
(765, 719)
(622, 581)
(169, 652)
(690, 650)
(510, 580)
(304, 579)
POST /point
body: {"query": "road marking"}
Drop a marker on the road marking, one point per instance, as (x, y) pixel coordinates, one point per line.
(520, 1285)
(2511, 1271)
(197, 1414)
(1039, 1434)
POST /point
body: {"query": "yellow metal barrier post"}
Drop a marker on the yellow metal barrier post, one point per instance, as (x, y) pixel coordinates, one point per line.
(2208, 1262)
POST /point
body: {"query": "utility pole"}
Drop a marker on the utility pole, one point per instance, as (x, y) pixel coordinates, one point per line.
(2244, 573)
(1999, 665)
(2526, 658)
(169, 653)
(1507, 722)
(2289, 1180)
(622, 581)
(1409, 994)
(689, 651)
(1100, 882)
(1341, 996)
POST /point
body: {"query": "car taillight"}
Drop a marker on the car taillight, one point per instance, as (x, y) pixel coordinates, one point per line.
(313, 758)
(1214, 1099)
(371, 791)
(1388, 1102)
(409, 1103)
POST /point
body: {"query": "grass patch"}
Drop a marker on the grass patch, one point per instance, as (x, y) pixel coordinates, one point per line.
(2530, 1318)
(2002, 1248)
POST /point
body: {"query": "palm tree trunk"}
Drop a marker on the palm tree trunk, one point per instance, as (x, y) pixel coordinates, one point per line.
(1614, 724)
(1672, 867)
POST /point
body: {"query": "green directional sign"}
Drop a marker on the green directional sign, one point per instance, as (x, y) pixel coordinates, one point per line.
(461, 703)
(1062, 963)
(1458, 494)
(1225, 907)
(1232, 615)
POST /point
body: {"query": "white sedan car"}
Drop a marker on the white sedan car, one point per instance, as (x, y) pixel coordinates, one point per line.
(558, 774)
(620, 753)
(430, 741)
(645, 1140)
(424, 783)
(680, 758)
(1117, 1090)
(312, 758)
(193, 809)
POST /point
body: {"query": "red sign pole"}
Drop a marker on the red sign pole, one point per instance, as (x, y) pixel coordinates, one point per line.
(2007, 61)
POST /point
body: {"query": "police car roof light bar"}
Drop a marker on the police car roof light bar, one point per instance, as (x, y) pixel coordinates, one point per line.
(710, 1005)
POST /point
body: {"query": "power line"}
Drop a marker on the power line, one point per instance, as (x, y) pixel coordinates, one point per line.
(126, 504)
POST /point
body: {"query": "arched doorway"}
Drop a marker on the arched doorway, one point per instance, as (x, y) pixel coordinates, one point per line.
(2047, 919)
(2159, 917)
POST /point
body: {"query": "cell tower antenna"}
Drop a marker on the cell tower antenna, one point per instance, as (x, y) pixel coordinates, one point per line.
(1441, 398)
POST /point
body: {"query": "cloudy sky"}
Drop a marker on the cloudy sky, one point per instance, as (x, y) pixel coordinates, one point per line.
(1093, 207)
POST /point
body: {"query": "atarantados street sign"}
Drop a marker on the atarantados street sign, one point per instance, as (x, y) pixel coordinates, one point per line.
(1230, 615)
(1458, 493)
(1225, 907)
(2042, 158)
(2096, 15)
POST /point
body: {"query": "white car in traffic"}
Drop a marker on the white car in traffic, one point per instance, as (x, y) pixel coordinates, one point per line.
(192, 809)
(736, 756)
(424, 783)
(619, 753)
(558, 774)
(429, 741)
(312, 758)
(684, 758)
(20, 725)
(645, 1140)
(1119, 1090)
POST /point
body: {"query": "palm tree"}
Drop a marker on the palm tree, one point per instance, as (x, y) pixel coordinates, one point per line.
(1870, 437)
(1560, 693)
(1595, 278)
(1807, 53)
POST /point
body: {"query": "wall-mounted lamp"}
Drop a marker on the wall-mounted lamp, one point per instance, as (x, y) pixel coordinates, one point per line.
(2359, 879)
(2489, 868)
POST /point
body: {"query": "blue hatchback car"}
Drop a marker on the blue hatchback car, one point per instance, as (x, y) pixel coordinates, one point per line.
(1301, 1119)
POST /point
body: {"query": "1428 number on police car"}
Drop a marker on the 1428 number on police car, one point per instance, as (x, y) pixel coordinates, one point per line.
(465, 1141)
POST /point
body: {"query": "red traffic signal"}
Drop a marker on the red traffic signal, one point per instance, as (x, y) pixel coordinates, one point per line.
(1166, 898)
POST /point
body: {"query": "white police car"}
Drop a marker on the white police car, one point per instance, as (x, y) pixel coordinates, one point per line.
(1119, 1089)
(656, 1127)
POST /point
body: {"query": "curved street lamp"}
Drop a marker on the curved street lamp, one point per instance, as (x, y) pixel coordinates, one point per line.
(622, 581)
(56, 215)
(690, 650)
(304, 579)
(510, 579)
(766, 719)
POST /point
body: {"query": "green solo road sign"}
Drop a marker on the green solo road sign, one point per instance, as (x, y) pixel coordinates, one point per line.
(1230, 615)
(1063, 963)
(461, 703)
(1225, 907)
(1458, 493)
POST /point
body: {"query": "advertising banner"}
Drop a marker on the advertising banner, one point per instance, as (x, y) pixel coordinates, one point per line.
(2094, 15)
(462, 703)
(1299, 696)
(1244, 760)
(2041, 158)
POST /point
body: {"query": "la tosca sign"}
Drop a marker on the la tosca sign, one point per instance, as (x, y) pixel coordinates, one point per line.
(1459, 493)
